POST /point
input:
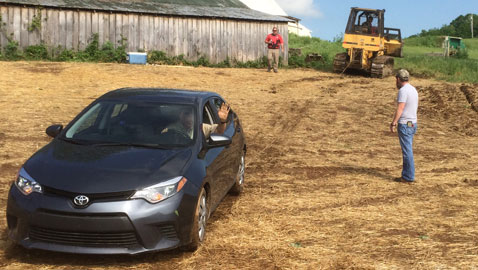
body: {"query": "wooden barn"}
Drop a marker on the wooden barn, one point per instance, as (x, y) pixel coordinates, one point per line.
(215, 29)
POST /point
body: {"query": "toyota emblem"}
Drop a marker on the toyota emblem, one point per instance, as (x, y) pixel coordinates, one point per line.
(81, 200)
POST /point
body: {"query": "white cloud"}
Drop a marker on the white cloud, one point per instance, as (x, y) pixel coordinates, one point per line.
(298, 8)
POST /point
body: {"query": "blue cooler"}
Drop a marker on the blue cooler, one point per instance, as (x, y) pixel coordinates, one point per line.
(137, 58)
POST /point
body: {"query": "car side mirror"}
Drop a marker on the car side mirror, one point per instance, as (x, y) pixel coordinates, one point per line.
(54, 130)
(218, 141)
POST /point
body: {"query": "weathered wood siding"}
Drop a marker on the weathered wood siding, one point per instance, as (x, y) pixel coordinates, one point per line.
(216, 39)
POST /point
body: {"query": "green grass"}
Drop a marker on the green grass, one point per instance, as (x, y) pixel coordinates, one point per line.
(417, 58)
(419, 61)
(326, 49)
(448, 69)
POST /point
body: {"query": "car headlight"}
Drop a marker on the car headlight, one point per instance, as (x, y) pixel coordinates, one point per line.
(161, 191)
(26, 184)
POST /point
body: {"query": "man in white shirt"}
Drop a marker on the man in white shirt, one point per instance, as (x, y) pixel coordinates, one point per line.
(405, 121)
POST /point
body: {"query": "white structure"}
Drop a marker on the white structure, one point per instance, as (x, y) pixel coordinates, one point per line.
(272, 8)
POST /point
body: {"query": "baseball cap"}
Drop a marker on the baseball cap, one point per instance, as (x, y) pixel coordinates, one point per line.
(403, 75)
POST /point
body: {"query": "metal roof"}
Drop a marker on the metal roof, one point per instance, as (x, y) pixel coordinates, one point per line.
(230, 9)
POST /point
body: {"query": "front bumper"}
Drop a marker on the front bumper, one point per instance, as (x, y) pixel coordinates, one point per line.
(40, 221)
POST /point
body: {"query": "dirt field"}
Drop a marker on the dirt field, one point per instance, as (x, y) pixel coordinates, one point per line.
(319, 192)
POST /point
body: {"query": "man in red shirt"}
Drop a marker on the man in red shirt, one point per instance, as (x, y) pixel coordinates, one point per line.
(274, 42)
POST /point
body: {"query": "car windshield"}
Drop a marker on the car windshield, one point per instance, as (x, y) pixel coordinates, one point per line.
(134, 123)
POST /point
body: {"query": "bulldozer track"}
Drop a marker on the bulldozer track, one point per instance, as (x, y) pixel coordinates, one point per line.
(340, 62)
(382, 66)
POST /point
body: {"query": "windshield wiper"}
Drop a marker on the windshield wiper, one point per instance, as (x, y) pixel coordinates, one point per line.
(74, 141)
(144, 145)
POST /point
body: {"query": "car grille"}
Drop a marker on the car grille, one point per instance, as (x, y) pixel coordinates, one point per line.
(88, 239)
(168, 231)
(113, 196)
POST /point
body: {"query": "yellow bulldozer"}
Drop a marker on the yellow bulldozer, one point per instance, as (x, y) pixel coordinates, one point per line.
(370, 46)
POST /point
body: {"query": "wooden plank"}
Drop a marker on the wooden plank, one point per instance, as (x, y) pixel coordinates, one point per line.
(10, 22)
(140, 27)
(210, 40)
(122, 28)
(33, 36)
(226, 42)
(62, 31)
(181, 36)
(156, 40)
(174, 39)
(110, 27)
(3, 27)
(24, 23)
(131, 33)
(150, 34)
(75, 34)
(170, 32)
(54, 26)
(185, 39)
(51, 28)
(16, 23)
(199, 37)
(110, 20)
(136, 28)
(193, 39)
(44, 18)
(163, 37)
(213, 40)
(240, 47)
(88, 28)
(251, 45)
(218, 40)
(233, 51)
(94, 23)
(82, 39)
(205, 49)
(101, 28)
(69, 30)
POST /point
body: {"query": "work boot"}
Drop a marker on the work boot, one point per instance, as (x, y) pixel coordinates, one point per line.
(275, 70)
(268, 69)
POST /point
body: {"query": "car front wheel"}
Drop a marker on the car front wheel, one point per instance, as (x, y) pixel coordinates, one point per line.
(239, 181)
(198, 232)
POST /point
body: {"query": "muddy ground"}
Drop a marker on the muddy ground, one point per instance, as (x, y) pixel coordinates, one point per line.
(319, 192)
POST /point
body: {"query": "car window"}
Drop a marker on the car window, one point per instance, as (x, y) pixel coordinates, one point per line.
(135, 123)
(86, 121)
(207, 116)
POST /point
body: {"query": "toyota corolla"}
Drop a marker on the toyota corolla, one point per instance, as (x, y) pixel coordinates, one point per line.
(138, 170)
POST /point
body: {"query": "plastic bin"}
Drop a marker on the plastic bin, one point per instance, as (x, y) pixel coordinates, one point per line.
(137, 58)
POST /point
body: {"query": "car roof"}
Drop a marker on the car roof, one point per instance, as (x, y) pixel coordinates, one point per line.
(159, 94)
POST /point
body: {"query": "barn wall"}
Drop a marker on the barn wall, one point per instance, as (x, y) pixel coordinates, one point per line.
(216, 39)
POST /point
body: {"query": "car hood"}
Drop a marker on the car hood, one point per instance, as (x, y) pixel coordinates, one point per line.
(102, 169)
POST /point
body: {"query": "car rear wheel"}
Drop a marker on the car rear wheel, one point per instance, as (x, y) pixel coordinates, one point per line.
(239, 183)
(198, 232)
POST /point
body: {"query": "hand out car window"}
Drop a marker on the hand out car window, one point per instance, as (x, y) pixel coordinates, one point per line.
(217, 104)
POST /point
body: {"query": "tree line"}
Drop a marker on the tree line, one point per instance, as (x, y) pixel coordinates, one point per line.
(459, 27)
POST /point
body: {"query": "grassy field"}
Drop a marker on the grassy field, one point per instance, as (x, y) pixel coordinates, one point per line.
(421, 57)
(318, 193)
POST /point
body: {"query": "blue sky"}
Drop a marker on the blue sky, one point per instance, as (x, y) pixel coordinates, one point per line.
(327, 19)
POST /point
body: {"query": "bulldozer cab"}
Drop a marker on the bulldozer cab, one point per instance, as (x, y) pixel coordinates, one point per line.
(365, 22)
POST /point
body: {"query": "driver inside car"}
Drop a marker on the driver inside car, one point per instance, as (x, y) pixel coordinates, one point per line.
(185, 123)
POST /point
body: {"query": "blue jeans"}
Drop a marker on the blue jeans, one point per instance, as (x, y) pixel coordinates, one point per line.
(405, 135)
